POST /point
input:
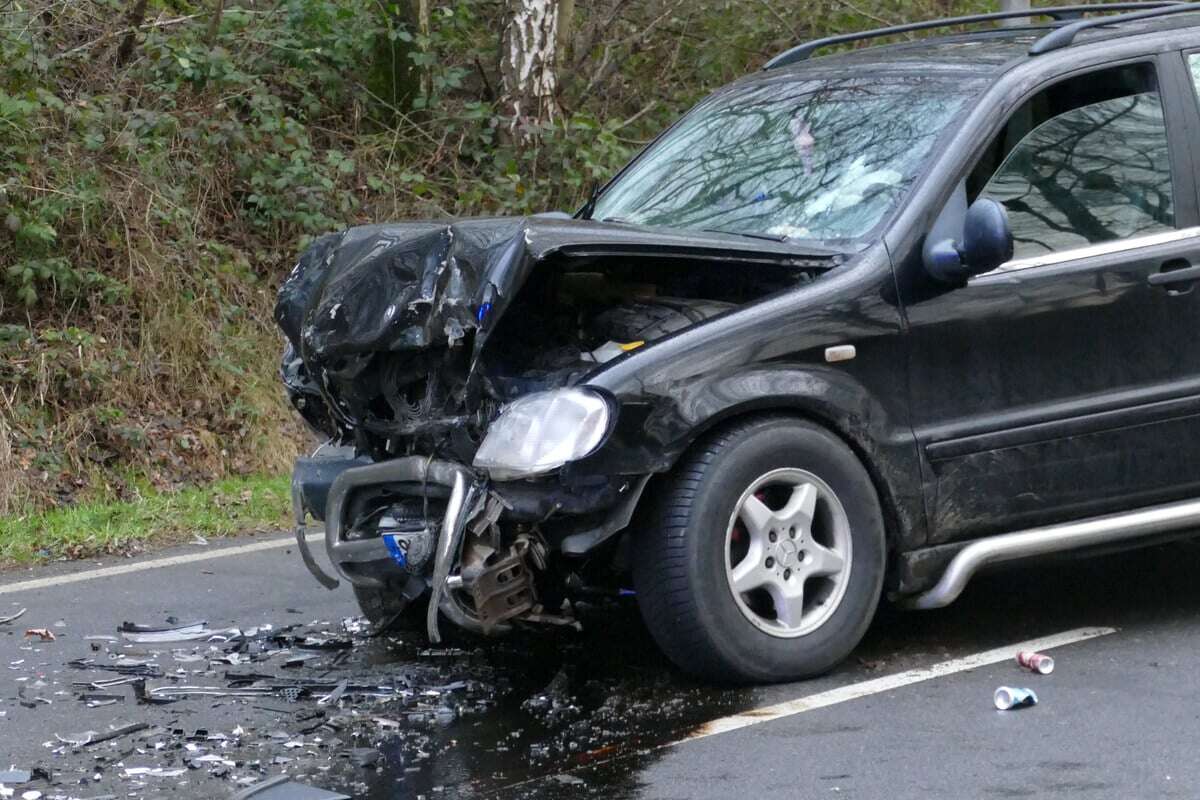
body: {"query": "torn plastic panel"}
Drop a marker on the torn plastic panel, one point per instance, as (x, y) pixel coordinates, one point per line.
(388, 324)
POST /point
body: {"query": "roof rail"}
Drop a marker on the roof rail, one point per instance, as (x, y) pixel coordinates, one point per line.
(1058, 13)
(1064, 36)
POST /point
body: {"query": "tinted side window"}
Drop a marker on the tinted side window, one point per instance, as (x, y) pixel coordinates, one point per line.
(1084, 162)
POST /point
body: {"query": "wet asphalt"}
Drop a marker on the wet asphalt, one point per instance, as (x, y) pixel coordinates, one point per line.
(595, 714)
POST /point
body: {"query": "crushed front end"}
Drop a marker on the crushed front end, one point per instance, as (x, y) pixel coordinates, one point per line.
(446, 366)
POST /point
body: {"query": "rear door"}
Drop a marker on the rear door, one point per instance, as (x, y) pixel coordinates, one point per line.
(1066, 383)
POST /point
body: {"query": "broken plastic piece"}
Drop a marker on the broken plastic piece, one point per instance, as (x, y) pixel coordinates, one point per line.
(172, 625)
(168, 694)
(125, 666)
(333, 697)
(281, 788)
(16, 776)
(31, 702)
(89, 738)
(45, 634)
(154, 772)
(195, 631)
(99, 699)
(11, 617)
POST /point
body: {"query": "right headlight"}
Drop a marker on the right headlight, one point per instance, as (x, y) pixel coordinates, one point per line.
(543, 431)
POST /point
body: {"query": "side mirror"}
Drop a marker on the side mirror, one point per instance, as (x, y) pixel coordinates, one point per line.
(987, 242)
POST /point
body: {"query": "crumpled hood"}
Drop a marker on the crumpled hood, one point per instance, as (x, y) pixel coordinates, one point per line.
(407, 286)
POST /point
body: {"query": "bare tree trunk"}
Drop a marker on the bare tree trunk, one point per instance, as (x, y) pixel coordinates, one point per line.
(566, 30)
(137, 16)
(1015, 5)
(527, 60)
(214, 24)
(424, 28)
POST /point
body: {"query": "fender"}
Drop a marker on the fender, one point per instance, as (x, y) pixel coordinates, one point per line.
(771, 357)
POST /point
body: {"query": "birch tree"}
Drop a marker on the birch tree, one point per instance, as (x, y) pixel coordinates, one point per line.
(527, 60)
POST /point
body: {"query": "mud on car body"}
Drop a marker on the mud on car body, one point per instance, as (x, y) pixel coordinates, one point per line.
(854, 324)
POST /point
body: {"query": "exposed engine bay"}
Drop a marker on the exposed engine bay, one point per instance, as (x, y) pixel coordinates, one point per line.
(405, 344)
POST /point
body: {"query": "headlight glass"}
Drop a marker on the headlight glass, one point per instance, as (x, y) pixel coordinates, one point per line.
(542, 431)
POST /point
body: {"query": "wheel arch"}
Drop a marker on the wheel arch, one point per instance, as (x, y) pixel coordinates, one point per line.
(783, 409)
(656, 428)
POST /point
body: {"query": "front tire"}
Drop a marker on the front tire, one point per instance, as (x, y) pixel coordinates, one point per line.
(765, 559)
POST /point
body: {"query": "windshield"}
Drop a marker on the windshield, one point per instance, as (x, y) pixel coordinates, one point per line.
(822, 160)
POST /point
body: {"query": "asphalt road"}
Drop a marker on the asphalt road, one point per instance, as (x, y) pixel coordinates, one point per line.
(601, 714)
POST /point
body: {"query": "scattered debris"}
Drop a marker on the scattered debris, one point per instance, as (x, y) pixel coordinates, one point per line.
(319, 698)
(45, 634)
(1007, 697)
(11, 617)
(1036, 662)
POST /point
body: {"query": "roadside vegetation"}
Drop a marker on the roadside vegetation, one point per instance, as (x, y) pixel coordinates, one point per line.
(124, 527)
(163, 161)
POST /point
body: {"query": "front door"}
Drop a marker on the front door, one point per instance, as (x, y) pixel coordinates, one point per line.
(1066, 383)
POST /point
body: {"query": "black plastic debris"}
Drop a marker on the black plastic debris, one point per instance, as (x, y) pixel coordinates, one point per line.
(282, 788)
(89, 738)
(125, 666)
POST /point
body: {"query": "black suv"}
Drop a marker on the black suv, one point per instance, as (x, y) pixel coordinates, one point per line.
(860, 322)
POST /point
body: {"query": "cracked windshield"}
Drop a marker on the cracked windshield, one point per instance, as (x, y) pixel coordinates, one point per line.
(817, 160)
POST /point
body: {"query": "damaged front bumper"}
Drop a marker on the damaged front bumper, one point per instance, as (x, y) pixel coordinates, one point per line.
(474, 548)
(350, 556)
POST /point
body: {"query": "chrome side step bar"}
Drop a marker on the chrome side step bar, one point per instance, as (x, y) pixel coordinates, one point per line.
(1054, 539)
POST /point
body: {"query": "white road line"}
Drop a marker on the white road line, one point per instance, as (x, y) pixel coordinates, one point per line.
(158, 563)
(889, 682)
(843, 694)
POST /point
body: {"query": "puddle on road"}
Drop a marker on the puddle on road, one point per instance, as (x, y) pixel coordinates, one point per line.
(546, 705)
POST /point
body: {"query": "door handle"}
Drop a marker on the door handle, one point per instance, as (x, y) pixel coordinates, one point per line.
(1170, 276)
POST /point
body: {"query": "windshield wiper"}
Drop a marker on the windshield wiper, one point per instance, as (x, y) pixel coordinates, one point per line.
(618, 221)
(770, 237)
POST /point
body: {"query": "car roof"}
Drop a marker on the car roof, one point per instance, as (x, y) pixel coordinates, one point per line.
(980, 52)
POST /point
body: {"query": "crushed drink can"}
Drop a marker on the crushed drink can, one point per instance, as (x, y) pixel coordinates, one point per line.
(1036, 662)
(1007, 697)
